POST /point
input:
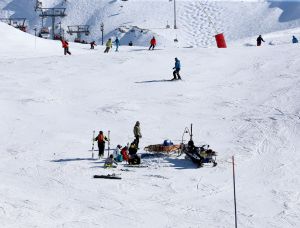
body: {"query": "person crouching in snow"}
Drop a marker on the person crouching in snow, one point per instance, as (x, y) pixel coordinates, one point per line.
(93, 44)
(117, 154)
(65, 46)
(177, 68)
(152, 43)
(294, 40)
(108, 45)
(124, 153)
(110, 161)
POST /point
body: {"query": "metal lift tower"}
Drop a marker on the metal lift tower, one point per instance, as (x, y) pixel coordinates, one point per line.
(52, 13)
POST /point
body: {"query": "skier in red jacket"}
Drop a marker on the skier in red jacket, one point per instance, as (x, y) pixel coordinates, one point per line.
(152, 43)
(65, 46)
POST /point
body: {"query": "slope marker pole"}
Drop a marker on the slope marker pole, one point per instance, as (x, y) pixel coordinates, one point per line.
(234, 192)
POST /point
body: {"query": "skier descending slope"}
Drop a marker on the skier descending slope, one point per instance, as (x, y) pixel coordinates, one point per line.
(117, 42)
(177, 69)
(152, 43)
(108, 45)
(101, 138)
(259, 40)
(93, 44)
(65, 46)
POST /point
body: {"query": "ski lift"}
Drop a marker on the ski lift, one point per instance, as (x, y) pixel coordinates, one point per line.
(44, 33)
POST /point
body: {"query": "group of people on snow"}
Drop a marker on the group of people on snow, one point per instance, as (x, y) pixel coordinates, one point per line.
(259, 40)
(126, 153)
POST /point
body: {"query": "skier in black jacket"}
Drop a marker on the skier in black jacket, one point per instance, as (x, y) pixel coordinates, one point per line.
(259, 40)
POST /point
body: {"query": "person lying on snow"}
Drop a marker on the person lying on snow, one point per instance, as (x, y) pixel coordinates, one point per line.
(110, 161)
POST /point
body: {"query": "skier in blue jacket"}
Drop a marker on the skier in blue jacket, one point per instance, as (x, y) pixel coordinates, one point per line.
(117, 42)
(294, 40)
(177, 69)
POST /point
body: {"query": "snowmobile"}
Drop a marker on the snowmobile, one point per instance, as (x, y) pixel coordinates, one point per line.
(199, 155)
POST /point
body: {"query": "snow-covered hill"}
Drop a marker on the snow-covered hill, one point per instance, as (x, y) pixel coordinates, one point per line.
(197, 21)
(243, 101)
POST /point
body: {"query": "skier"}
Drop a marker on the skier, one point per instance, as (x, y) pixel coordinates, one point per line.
(117, 42)
(65, 46)
(177, 69)
(117, 154)
(294, 40)
(137, 133)
(93, 44)
(124, 153)
(259, 40)
(109, 162)
(108, 45)
(130, 43)
(152, 43)
(101, 138)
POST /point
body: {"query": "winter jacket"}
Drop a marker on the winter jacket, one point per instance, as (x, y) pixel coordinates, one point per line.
(117, 42)
(116, 152)
(132, 149)
(295, 40)
(137, 131)
(109, 44)
(259, 40)
(110, 161)
(101, 138)
(65, 44)
(124, 153)
(153, 41)
(177, 65)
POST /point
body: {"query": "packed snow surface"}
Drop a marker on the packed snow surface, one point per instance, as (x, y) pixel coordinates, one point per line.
(243, 101)
(198, 21)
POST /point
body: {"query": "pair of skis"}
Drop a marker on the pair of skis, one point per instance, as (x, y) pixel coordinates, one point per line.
(93, 146)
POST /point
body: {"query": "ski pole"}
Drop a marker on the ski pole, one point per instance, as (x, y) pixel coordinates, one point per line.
(93, 144)
(108, 135)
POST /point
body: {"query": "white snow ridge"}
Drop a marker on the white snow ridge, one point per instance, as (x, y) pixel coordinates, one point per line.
(243, 101)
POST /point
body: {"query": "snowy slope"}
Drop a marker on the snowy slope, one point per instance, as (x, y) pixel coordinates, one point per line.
(198, 21)
(242, 101)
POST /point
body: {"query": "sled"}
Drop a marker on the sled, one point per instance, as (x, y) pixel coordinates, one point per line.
(109, 176)
(201, 155)
(160, 148)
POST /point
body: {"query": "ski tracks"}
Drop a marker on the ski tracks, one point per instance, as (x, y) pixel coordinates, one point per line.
(199, 22)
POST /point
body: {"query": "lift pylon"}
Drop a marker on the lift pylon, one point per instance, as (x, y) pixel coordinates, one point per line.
(52, 13)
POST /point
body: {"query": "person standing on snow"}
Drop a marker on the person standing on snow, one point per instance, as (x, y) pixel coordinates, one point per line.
(93, 44)
(108, 45)
(137, 133)
(259, 40)
(101, 138)
(65, 46)
(294, 40)
(117, 42)
(177, 67)
(152, 43)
